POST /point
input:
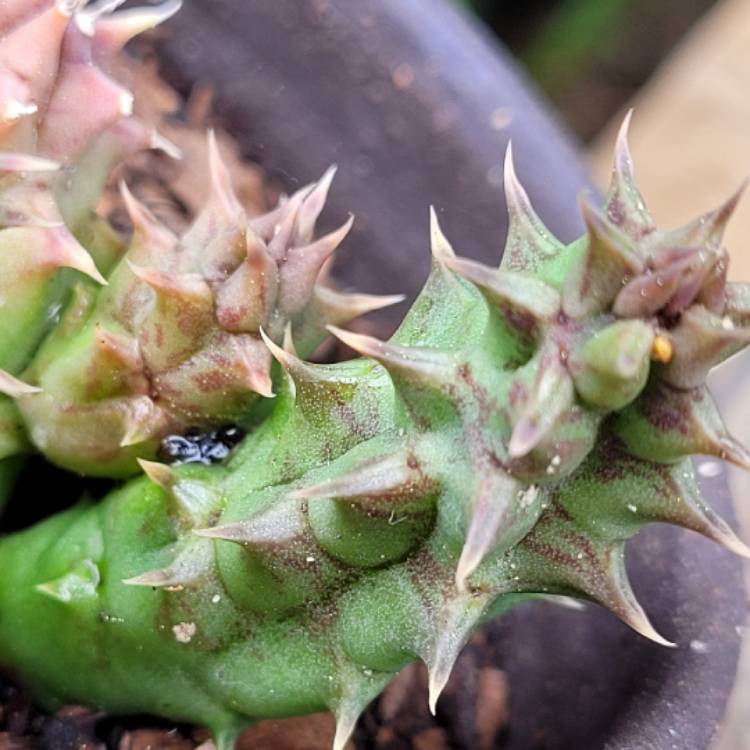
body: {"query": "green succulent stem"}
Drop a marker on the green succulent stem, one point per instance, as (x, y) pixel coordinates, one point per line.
(492, 451)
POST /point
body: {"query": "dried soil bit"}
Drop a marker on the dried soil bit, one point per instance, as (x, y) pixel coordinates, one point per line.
(492, 710)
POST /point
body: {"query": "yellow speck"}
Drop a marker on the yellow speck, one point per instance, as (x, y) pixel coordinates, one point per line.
(662, 349)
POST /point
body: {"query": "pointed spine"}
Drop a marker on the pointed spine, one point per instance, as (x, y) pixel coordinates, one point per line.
(338, 308)
(529, 243)
(708, 230)
(187, 569)
(551, 395)
(302, 264)
(525, 302)
(700, 341)
(413, 364)
(397, 478)
(591, 567)
(246, 300)
(269, 531)
(112, 32)
(313, 205)
(15, 388)
(502, 512)
(454, 620)
(625, 206)
(666, 424)
(440, 246)
(608, 261)
(64, 251)
(151, 240)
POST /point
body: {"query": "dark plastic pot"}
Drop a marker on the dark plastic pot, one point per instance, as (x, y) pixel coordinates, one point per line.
(411, 99)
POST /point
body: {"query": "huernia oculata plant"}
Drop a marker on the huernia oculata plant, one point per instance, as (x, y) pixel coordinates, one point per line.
(521, 425)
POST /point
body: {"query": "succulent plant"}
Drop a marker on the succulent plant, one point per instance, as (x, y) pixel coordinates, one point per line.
(521, 425)
(172, 341)
(64, 124)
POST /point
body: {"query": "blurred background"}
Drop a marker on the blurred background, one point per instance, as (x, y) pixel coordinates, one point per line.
(684, 65)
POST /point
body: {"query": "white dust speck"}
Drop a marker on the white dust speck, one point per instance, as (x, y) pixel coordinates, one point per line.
(699, 647)
(184, 631)
(528, 496)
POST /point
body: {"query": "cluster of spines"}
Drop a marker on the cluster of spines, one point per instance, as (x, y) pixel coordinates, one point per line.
(65, 123)
(173, 341)
(592, 440)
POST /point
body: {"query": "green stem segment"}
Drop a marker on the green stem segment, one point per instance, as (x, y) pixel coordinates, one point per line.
(487, 453)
